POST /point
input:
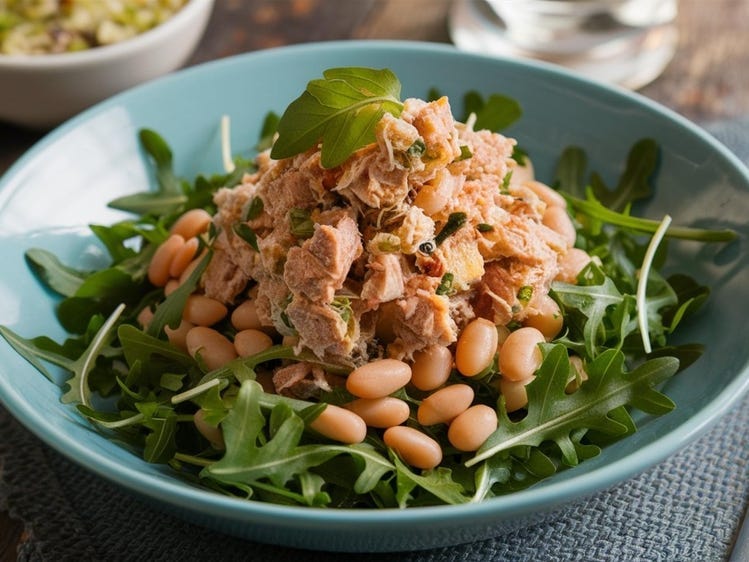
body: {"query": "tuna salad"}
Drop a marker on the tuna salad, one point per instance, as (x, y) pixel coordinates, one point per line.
(385, 308)
(393, 251)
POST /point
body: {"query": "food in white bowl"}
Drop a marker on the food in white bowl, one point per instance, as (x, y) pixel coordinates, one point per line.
(33, 27)
(41, 90)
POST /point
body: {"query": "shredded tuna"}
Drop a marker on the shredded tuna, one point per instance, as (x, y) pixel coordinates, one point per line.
(422, 318)
(384, 282)
(323, 328)
(369, 276)
(304, 380)
(318, 268)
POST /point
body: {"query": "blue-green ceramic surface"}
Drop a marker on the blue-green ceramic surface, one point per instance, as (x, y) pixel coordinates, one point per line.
(64, 183)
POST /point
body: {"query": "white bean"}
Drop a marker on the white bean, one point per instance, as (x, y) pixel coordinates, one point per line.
(520, 355)
(476, 347)
(546, 317)
(413, 446)
(378, 378)
(339, 424)
(470, 429)
(249, 342)
(210, 347)
(203, 311)
(431, 367)
(158, 268)
(445, 404)
(380, 412)
(192, 223)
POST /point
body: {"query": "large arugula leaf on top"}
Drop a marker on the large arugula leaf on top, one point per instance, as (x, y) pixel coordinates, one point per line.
(554, 416)
(340, 110)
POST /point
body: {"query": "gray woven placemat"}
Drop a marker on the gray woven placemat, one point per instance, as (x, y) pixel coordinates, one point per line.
(687, 509)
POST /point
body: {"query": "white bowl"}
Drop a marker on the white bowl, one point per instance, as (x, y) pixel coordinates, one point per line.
(41, 91)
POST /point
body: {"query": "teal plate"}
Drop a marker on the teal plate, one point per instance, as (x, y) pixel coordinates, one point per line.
(64, 183)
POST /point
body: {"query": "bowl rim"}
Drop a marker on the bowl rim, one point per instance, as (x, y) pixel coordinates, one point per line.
(531, 500)
(107, 53)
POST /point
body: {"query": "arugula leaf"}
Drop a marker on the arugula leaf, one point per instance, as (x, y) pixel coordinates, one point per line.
(114, 237)
(170, 194)
(593, 302)
(340, 110)
(110, 283)
(495, 469)
(554, 415)
(569, 175)
(78, 390)
(690, 296)
(169, 312)
(634, 183)
(138, 346)
(54, 274)
(37, 350)
(495, 113)
(251, 456)
(596, 201)
(153, 202)
(160, 444)
(373, 466)
(158, 149)
(75, 313)
(268, 129)
(437, 481)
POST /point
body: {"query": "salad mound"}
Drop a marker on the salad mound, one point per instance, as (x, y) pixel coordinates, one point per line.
(410, 233)
(383, 308)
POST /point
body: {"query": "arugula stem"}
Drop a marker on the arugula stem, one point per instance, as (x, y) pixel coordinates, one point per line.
(270, 401)
(279, 491)
(229, 166)
(194, 391)
(595, 210)
(642, 282)
(79, 385)
(192, 459)
(132, 420)
(271, 354)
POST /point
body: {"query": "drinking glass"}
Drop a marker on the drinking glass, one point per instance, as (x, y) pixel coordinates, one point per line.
(628, 42)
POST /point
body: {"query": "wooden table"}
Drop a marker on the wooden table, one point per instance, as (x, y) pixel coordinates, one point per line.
(706, 80)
